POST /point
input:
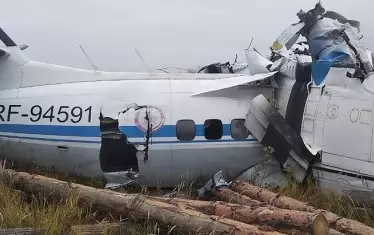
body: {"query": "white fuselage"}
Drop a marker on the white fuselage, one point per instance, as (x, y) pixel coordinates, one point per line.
(52, 119)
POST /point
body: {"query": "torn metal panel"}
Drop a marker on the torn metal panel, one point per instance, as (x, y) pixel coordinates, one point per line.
(257, 64)
(120, 179)
(356, 44)
(216, 182)
(333, 39)
(288, 37)
(256, 128)
(118, 156)
(260, 116)
(324, 39)
(116, 152)
(265, 174)
(336, 16)
(279, 135)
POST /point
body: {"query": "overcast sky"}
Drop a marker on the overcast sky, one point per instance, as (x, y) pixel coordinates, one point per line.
(165, 32)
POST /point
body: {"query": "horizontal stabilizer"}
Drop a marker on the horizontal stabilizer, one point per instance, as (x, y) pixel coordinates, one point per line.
(229, 82)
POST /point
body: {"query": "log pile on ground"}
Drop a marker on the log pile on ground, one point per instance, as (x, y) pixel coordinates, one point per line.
(242, 209)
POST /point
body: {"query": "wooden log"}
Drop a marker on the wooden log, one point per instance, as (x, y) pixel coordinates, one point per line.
(343, 225)
(234, 197)
(281, 219)
(20, 231)
(136, 205)
(269, 197)
(334, 232)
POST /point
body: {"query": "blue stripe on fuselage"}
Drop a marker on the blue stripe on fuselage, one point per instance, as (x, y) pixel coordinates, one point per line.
(94, 131)
(152, 142)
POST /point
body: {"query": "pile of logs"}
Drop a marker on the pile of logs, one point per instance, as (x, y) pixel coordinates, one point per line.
(242, 209)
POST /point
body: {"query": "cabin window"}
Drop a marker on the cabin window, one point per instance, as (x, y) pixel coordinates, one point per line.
(238, 130)
(186, 130)
(213, 129)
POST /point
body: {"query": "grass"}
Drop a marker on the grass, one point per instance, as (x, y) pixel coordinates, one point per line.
(38, 211)
(56, 216)
(327, 200)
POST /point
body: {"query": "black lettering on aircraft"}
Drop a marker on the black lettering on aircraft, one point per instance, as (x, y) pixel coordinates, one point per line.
(36, 113)
(65, 114)
(10, 112)
(2, 109)
(76, 113)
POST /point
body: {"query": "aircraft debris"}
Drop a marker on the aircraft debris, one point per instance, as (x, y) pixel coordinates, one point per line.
(332, 57)
(333, 39)
(279, 135)
(216, 181)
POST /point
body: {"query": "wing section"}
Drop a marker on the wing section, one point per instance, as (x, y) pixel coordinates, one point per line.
(229, 82)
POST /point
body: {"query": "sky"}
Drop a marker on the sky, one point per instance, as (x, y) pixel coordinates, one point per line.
(166, 33)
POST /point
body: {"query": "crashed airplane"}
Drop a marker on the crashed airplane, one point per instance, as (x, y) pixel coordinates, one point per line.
(318, 119)
(311, 102)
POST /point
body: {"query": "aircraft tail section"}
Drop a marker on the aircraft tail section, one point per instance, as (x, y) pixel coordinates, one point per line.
(271, 129)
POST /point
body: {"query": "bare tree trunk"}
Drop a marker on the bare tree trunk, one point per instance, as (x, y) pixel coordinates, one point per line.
(234, 197)
(343, 225)
(137, 206)
(281, 219)
(269, 197)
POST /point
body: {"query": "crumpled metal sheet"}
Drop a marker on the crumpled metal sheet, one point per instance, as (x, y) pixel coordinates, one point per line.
(335, 39)
(325, 40)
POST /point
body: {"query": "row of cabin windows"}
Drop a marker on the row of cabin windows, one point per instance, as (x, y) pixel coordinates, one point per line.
(213, 129)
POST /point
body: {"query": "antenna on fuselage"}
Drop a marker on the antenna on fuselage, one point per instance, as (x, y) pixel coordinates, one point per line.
(144, 63)
(250, 44)
(95, 68)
